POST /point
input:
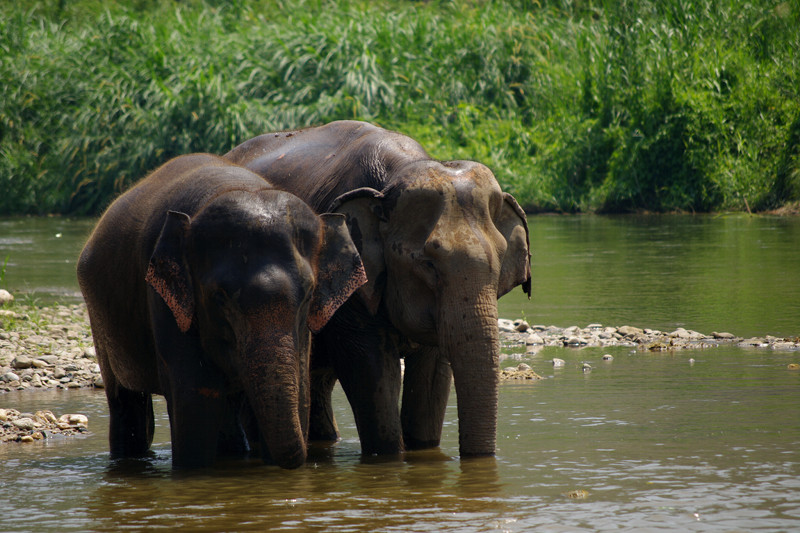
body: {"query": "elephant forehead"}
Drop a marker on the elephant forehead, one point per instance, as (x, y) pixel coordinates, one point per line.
(240, 215)
(451, 196)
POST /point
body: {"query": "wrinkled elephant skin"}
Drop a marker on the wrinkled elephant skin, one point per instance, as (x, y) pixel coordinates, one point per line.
(203, 283)
(440, 242)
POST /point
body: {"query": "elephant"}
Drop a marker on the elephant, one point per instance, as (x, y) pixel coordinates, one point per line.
(441, 242)
(203, 284)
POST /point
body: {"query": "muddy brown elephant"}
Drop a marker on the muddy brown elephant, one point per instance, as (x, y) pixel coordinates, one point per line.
(203, 284)
(440, 242)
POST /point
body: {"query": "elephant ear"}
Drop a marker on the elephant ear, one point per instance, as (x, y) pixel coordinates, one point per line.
(168, 273)
(363, 209)
(516, 269)
(340, 271)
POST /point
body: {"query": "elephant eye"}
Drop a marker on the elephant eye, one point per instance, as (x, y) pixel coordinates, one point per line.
(426, 271)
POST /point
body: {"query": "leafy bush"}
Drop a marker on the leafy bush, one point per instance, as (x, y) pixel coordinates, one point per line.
(576, 106)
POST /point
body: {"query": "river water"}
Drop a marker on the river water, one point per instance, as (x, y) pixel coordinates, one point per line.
(695, 440)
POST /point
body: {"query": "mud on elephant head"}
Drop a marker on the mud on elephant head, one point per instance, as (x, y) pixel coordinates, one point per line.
(440, 242)
(202, 284)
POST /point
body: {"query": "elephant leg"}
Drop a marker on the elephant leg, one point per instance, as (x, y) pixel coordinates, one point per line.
(197, 406)
(232, 435)
(322, 423)
(368, 367)
(194, 420)
(131, 419)
(372, 386)
(426, 388)
(131, 422)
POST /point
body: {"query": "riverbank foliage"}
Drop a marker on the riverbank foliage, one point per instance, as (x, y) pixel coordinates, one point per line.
(577, 105)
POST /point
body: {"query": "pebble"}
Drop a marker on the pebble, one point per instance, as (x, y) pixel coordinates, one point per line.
(534, 338)
(21, 362)
(26, 427)
(597, 335)
(55, 346)
(520, 372)
(5, 297)
(51, 348)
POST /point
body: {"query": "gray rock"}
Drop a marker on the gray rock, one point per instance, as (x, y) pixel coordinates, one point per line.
(630, 331)
(682, 333)
(9, 377)
(49, 359)
(25, 424)
(534, 338)
(506, 325)
(575, 341)
(5, 297)
(521, 326)
(21, 362)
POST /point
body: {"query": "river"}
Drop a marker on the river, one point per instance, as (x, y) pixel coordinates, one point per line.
(693, 440)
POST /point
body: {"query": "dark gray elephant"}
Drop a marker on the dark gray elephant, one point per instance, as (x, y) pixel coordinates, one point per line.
(440, 242)
(202, 283)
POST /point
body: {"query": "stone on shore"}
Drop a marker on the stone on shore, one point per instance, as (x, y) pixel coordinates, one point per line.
(26, 427)
(5, 297)
(520, 372)
(50, 348)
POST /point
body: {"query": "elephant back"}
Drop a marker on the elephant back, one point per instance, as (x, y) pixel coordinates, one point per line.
(320, 164)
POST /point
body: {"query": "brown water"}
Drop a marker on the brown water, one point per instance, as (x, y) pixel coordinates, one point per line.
(657, 442)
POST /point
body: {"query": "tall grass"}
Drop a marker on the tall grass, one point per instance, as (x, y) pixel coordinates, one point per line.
(607, 105)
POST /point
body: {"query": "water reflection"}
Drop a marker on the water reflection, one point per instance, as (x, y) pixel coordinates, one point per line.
(341, 495)
(709, 273)
(656, 443)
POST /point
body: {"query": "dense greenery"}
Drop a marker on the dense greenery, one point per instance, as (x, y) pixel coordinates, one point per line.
(609, 105)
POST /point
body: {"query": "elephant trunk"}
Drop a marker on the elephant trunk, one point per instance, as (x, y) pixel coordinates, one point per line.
(275, 385)
(470, 338)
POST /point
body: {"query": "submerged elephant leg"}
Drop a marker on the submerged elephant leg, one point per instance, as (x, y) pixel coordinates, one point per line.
(196, 399)
(366, 362)
(372, 386)
(426, 388)
(131, 419)
(131, 422)
(232, 436)
(194, 418)
(322, 423)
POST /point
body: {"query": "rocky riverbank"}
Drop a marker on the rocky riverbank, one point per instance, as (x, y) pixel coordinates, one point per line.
(523, 339)
(51, 347)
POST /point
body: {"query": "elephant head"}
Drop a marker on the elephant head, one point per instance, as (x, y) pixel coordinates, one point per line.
(252, 275)
(440, 243)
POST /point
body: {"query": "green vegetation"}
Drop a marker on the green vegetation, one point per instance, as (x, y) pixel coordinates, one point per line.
(577, 105)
